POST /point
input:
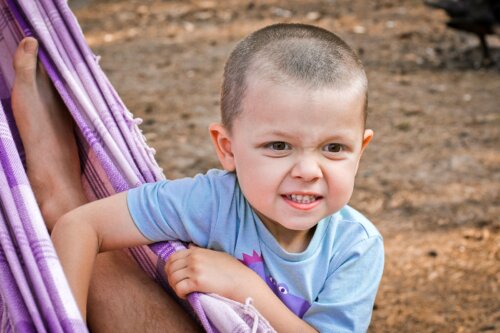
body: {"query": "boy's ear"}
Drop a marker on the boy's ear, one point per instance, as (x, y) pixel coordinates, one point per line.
(367, 137)
(222, 143)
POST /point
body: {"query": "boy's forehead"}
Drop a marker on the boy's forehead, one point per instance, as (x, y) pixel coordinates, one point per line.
(269, 101)
(271, 88)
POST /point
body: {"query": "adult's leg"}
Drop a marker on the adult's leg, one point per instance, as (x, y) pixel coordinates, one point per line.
(122, 298)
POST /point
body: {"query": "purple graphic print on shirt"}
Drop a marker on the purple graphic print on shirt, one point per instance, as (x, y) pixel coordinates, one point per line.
(296, 304)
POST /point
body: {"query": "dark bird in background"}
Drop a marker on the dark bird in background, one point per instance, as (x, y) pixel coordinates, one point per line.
(480, 17)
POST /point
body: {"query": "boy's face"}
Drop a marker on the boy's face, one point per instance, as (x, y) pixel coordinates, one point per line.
(296, 152)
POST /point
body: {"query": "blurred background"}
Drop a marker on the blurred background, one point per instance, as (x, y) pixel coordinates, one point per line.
(430, 180)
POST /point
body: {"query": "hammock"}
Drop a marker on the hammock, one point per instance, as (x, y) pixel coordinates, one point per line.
(34, 295)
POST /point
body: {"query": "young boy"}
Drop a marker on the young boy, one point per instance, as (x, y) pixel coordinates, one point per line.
(292, 135)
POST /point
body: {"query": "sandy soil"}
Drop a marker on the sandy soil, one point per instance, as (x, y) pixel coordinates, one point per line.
(430, 180)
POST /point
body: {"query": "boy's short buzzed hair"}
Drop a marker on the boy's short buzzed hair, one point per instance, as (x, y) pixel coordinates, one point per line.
(296, 53)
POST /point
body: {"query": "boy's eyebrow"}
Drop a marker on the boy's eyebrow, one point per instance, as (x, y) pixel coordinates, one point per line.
(276, 132)
(342, 134)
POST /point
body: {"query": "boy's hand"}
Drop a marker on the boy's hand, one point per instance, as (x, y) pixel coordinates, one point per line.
(209, 271)
(198, 269)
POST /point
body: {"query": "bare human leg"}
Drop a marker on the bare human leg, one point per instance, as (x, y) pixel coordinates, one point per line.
(46, 131)
(122, 298)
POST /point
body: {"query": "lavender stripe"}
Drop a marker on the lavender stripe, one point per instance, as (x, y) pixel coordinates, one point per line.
(93, 177)
(10, 250)
(107, 145)
(9, 288)
(24, 235)
(49, 49)
(39, 285)
(114, 111)
(82, 71)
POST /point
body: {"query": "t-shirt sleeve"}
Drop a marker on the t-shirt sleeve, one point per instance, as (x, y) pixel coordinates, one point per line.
(346, 301)
(184, 209)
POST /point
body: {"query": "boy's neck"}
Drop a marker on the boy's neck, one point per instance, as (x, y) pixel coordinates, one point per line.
(298, 243)
(293, 241)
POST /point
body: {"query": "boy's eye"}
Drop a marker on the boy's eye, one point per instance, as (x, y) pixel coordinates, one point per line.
(279, 145)
(333, 148)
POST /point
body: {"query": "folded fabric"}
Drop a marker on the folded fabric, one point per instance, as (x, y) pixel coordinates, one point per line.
(34, 295)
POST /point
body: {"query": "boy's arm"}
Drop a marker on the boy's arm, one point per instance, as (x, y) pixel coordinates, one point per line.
(203, 270)
(82, 233)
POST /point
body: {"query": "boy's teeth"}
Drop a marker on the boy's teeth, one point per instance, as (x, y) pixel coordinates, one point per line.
(299, 198)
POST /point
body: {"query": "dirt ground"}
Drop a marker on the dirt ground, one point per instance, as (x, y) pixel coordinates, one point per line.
(430, 180)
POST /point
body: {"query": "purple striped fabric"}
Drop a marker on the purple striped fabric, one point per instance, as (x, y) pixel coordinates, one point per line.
(34, 294)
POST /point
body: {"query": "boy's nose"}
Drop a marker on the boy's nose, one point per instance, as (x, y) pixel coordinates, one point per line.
(307, 168)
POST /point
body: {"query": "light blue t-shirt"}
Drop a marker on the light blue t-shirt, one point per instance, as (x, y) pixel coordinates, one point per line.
(331, 285)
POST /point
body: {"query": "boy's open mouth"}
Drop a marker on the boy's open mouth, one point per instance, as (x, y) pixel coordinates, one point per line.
(302, 198)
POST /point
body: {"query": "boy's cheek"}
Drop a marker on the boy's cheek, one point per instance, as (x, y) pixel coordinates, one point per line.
(341, 185)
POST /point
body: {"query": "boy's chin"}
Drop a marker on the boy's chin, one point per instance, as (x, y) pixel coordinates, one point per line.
(296, 225)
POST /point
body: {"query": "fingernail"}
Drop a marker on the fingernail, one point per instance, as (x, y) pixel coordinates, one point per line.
(30, 45)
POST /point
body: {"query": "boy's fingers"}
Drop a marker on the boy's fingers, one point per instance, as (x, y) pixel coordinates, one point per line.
(181, 283)
(184, 287)
(173, 266)
(25, 60)
(178, 275)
